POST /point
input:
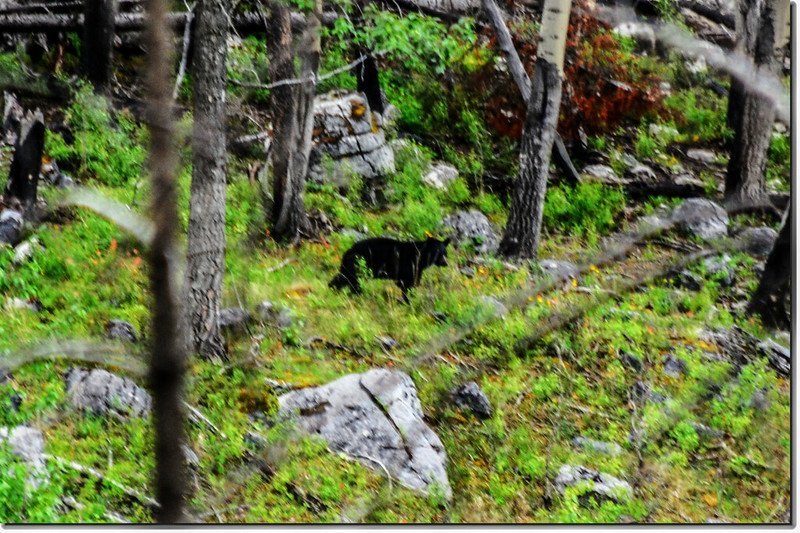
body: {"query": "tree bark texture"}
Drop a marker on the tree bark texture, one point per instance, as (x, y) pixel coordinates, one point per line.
(761, 30)
(523, 230)
(23, 177)
(293, 116)
(167, 364)
(520, 76)
(97, 47)
(206, 232)
(768, 300)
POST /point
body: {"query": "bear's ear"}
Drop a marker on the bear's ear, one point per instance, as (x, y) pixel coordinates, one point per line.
(446, 241)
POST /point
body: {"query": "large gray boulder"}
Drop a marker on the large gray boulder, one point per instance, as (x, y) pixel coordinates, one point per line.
(103, 393)
(702, 218)
(472, 228)
(27, 443)
(375, 417)
(352, 136)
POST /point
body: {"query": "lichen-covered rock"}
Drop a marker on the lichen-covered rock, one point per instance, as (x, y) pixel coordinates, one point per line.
(701, 155)
(720, 269)
(702, 218)
(470, 396)
(599, 483)
(27, 443)
(440, 175)
(121, 330)
(352, 136)
(757, 241)
(602, 173)
(103, 393)
(375, 417)
(472, 228)
(24, 251)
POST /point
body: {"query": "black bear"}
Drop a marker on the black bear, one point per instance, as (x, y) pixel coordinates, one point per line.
(386, 258)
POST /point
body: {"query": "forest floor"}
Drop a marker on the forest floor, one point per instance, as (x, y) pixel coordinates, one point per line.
(710, 441)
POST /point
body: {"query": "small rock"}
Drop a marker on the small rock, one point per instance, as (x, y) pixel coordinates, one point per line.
(285, 318)
(471, 396)
(687, 280)
(780, 127)
(780, 357)
(19, 303)
(600, 484)
(16, 402)
(121, 330)
(387, 343)
(657, 130)
(720, 269)
(440, 175)
(439, 316)
(632, 361)
(467, 271)
(702, 155)
(608, 448)
(603, 173)
(673, 366)
(233, 317)
(702, 218)
(352, 233)
(665, 88)
(559, 269)
(757, 241)
(472, 228)
(643, 34)
(642, 173)
(629, 161)
(25, 250)
(103, 393)
(497, 306)
(265, 310)
(10, 226)
(27, 443)
(759, 400)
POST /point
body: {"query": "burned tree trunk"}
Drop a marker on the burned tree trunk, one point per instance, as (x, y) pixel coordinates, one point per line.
(97, 47)
(768, 300)
(523, 230)
(368, 82)
(761, 31)
(206, 234)
(167, 363)
(293, 115)
(23, 178)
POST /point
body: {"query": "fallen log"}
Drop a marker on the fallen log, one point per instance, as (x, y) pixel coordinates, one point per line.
(127, 22)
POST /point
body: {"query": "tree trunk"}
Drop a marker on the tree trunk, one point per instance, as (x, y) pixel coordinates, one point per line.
(292, 120)
(97, 47)
(520, 76)
(761, 30)
(168, 360)
(206, 233)
(23, 177)
(768, 300)
(368, 82)
(523, 230)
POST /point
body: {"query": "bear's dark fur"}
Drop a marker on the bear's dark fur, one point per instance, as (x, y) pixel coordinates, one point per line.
(386, 258)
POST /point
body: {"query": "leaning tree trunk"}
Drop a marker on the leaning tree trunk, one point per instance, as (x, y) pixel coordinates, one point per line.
(167, 364)
(97, 47)
(292, 121)
(768, 300)
(206, 234)
(523, 230)
(761, 32)
(23, 178)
